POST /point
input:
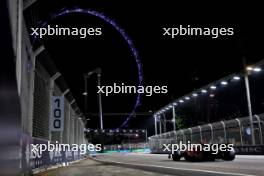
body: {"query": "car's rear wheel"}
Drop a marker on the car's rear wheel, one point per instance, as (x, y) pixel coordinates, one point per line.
(176, 156)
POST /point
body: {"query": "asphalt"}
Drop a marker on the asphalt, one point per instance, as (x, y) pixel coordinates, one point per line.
(243, 165)
(136, 164)
(89, 167)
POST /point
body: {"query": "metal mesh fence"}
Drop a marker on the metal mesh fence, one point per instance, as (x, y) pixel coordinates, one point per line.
(79, 131)
(72, 128)
(236, 131)
(66, 130)
(41, 104)
(73, 131)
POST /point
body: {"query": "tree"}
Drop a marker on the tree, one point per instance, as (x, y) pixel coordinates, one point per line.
(180, 122)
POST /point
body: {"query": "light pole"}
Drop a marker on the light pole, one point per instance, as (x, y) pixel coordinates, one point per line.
(247, 72)
(164, 123)
(87, 75)
(160, 127)
(249, 108)
(146, 135)
(85, 95)
(156, 130)
(99, 95)
(174, 118)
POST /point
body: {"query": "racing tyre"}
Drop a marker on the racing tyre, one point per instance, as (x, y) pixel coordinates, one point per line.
(176, 156)
(229, 155)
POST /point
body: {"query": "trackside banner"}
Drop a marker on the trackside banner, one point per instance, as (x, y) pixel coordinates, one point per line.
(250, 150)
(32, 158)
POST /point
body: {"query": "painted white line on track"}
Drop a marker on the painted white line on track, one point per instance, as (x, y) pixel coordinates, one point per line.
(250, 156)
(175, 168)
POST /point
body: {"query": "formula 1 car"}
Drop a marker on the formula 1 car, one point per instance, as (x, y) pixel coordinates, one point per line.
(200, 155)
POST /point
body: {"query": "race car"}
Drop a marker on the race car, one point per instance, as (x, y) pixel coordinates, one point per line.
(201, 155)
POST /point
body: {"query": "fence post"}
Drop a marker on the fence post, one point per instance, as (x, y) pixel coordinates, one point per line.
(191, 134)
(201, 137)
(212, 132)
(224, 126)
(240, 131)
(260, 129)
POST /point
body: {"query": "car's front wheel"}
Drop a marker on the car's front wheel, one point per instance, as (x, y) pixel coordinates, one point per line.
(176, 156)
(229, 155)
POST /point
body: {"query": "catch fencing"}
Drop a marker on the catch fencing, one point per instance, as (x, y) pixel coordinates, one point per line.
(236, 131)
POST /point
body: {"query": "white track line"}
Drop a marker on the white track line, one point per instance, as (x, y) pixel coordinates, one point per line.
(175, 168)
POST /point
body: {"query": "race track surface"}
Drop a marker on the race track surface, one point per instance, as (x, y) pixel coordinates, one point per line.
(243, 165)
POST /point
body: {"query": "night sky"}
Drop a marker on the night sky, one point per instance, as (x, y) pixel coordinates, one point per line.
(184, 63)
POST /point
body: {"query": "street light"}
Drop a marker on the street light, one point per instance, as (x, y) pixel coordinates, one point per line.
(155, 123)
(213, 87)
(224, 83)
(249, 68)
(96, 71)
(236, 78)
(204, 91)
(249, 105)
(174, 118)
(194, 94)
(257, 69)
